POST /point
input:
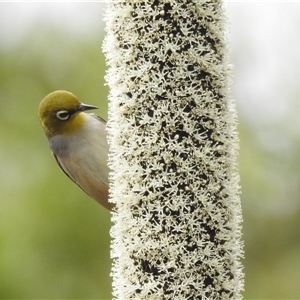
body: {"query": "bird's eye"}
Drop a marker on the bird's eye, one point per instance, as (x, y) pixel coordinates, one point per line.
(63, 115)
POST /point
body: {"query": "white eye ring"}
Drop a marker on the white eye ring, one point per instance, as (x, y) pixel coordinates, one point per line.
(63, 115)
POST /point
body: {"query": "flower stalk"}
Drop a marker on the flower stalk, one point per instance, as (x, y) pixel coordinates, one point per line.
(173, 147)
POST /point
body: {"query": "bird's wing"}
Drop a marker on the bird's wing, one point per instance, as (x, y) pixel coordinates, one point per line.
(65, 170)
(98, 118)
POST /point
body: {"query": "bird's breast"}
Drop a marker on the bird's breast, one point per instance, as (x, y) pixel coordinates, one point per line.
(84, 155)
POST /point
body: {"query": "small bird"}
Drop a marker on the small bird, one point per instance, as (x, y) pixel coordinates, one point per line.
(78, 142)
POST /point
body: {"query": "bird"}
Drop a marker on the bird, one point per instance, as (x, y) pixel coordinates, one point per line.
(78, 142)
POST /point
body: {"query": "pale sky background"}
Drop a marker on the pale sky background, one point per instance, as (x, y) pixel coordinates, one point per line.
(264, 41)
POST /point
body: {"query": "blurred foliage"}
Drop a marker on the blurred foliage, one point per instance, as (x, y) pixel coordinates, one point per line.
(54, 239)
(270, 179)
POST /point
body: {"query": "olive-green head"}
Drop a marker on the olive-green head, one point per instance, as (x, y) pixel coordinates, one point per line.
(60, 112)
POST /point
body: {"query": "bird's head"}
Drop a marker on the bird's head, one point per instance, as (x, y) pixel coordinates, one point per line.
(61, 113)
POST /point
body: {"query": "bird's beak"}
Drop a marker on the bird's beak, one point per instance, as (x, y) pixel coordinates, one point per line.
(83, 107)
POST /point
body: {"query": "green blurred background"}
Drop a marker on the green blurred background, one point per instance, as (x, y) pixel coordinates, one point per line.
(54, 240)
